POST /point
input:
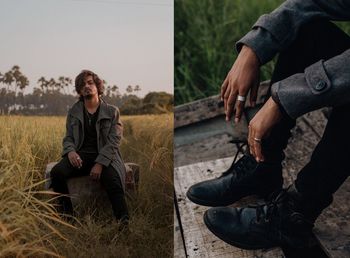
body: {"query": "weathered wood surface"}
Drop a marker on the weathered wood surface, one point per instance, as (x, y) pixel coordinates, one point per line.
(207, 108)
(179, 248)
(200, 242)
(83, 189)
(217, 146)
(332, 227)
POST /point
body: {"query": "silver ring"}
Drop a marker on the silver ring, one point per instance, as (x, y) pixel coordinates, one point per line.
(257, 139)
(241, 98)
(78, 158)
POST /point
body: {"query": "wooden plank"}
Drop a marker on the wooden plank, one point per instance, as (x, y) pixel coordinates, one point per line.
(215, 147)
(197, 111)
(206, 108)
(200, 242)
(179, 249)
(200, 131)
(333, 226)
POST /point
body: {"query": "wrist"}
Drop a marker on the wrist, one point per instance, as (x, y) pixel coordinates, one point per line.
(278, 106)
(98, 165)
(250, 55)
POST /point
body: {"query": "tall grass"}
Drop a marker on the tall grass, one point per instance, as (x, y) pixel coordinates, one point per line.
(29, 225)
(205, 35)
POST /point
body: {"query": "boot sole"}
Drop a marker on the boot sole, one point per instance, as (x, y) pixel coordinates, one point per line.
(229, 241)
(208, 203)
(226, 203)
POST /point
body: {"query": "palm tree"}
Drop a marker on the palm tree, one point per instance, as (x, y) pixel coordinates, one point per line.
(42, 83)
(8, 79)
(129, 89)
(137, 88)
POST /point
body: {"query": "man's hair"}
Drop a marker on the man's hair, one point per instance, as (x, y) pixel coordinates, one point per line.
(80, 81)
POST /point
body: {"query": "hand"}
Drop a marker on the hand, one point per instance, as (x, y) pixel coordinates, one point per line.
(95, 172)
(75, 159)
(243, 76)
(260, 126)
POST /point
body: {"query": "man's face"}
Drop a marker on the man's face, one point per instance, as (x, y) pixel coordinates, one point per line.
(89, 89)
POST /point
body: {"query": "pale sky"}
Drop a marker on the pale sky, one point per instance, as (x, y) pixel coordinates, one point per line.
(124, 42)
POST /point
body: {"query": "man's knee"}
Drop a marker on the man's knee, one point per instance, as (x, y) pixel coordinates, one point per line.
(60, 170)
(110, 179)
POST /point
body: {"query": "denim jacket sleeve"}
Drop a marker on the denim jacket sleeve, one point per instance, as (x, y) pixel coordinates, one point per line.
(110, 150)
(325, 83)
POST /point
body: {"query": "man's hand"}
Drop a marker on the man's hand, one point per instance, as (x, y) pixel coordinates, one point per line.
(243, 76)
(96, 171)
(75, 159)
(260, 126)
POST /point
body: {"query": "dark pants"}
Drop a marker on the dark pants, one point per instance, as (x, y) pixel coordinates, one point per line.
(328, 167)
(110, 180)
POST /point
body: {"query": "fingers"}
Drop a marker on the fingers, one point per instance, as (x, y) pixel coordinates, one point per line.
(250, 143)
(255, 141)
(76, 161)
(79, 162)
(223, 88)
(239, 110)
(95, 175)
(257, 149)
(230, 105)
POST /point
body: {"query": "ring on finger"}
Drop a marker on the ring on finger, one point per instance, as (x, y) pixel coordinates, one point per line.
(257, 140)
(241, 98)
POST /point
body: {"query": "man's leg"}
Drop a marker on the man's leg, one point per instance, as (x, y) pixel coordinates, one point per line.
(288, 218)
(64, 170)
(329, 165)
(111, 181)
(317, 40)
(60, 173)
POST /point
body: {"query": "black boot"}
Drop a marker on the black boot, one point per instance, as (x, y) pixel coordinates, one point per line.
(280, 222)
(65, 206)
(243, 178)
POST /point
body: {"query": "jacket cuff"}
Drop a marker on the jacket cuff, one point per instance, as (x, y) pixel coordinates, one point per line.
(264, 45)
(275, 98)
(102, 160)
(67, 150)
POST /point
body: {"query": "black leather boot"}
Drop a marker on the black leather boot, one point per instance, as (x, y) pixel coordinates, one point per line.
(280, 222)
(243, 178)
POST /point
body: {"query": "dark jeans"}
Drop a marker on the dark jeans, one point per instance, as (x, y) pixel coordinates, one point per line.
(110, 180)
(328, 167)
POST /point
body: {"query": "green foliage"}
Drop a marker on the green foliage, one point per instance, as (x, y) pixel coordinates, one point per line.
(205, 35)
(152, 103)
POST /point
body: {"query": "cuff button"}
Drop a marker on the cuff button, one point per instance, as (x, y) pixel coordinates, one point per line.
(320, 85)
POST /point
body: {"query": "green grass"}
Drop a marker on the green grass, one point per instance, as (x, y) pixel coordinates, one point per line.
(205, 35)
(29, 224)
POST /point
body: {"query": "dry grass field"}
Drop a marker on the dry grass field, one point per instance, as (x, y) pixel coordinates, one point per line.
(29, 225)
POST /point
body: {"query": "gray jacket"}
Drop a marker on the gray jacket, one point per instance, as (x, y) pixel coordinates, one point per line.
(325, 83)
(109, 133)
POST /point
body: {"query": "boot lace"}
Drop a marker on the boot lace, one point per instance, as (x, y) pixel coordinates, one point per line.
(266, 212)
(244, 164)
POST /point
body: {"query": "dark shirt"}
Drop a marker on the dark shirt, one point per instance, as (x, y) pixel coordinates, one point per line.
(90, 134)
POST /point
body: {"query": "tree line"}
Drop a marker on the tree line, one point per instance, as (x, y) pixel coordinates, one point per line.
(55, 96)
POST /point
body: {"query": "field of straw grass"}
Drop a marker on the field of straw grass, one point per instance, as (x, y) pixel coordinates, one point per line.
(29, 225)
